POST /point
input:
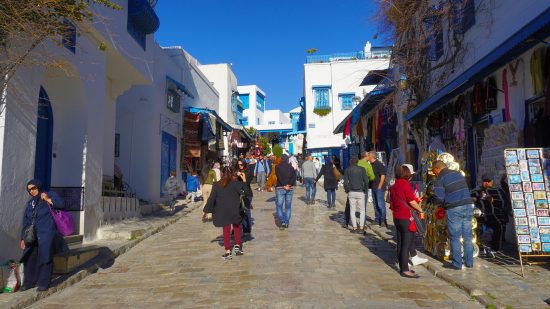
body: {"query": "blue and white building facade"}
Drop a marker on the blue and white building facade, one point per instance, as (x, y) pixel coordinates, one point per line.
(253, 100)
(332, 87)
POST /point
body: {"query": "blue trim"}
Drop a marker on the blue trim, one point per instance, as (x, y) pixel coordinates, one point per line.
(321, 86)
(44, 140)
(524, 39)
(180, 86)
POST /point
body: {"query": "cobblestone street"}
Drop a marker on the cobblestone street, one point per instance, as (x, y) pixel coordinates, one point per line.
(314, 264)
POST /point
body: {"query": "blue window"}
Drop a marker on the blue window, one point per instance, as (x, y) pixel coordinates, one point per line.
(244, 121)
(434, 38)
(321, 95)
(68, 39)
(463, 15)
(258, 121)
(260, 101)
(245, 98)
(311, 126)
(346, 100)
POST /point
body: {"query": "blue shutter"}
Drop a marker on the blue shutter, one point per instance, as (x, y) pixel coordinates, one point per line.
(68, 39)
(322, 97)
(245, 99)
(469, 15)
(346, 101)
(463, 15)
(434, 39)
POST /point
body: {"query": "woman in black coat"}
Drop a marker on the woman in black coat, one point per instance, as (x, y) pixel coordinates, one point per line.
(38, 256)
(245, 175)
(330, 182)
(224, 204)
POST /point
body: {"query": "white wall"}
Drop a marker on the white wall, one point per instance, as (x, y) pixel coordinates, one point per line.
(275, 115)
(342, 77)
(495, 22)
(252, 112)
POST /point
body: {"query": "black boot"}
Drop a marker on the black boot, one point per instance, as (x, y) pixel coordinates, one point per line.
(386, 223)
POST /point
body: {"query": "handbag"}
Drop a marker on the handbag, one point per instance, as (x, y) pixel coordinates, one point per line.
(242, 202)
(29, 234)
(337, 173)
(63, 220)
(412, 225)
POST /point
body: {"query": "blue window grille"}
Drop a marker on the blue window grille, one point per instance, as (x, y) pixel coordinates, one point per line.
(244, 121)
(321, 96)
(68, 39)
(260, 101)
(434, 38)
(463, 15)
(142, 20)
(346, 100)
(245, 98)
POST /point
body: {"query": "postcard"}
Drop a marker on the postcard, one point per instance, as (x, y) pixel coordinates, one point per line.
(534, 232)
(542, 220)
(544, 230)
(545, 237)
(518, 204)
(534, 162)
(536, 178)
(521, 154)
(536, 245)
(512, 169)
(531, 211)
(535, 170)
(521, 221)
(510, 161)
(525, 248)
(517, 195)
(533, 154)
(514, 179)
(525, 176)
(524, 230)
(538, 186)
(523, 165)
(524, 239)
(529, 197)
(539, 195)
(520, 213)
(532, 221)
(541, 204)
(527, 187)
(545, 247)
(542, 212)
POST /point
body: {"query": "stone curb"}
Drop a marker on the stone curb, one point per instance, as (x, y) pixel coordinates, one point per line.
(80, 275)
(481, 296)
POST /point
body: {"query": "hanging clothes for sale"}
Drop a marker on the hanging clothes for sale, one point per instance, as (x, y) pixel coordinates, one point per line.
(378, 129)
(491, 94)
(347, 127)
(506, 95)
(538, 59)
(477, 99)
(359, 127)
(516, 92)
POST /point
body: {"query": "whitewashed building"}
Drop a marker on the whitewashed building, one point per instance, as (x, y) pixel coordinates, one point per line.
(331, 90)
(254, 100)
(59, 125)
(150, 120)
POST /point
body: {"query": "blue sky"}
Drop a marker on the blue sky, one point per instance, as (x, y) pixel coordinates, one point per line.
(266, 41)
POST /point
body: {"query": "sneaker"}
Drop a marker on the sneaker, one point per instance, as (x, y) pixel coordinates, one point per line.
(417, 260)
(237, 249)
(227, 256)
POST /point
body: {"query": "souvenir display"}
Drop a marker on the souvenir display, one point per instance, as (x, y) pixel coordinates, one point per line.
(530, 200)
(436, 239)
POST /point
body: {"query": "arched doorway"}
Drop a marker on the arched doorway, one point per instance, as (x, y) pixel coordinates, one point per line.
(44, 140)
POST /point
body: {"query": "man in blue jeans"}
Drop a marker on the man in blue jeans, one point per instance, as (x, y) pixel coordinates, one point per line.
(309, 173)
(451, 190)
(286, 180)
(378, 189)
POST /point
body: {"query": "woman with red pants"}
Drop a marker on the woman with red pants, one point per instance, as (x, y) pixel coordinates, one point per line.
(224, 204)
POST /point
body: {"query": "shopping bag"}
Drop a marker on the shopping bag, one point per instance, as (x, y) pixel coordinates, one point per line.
(419, 223)
(14, 279)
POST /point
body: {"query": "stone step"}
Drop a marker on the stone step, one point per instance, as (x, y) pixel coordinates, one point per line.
(76, 256)
(129, 234)
(74, 239)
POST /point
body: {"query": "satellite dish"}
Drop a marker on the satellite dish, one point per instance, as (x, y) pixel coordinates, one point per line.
(152, 3)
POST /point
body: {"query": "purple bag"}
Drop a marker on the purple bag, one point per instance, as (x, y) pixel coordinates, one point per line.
(63, 221)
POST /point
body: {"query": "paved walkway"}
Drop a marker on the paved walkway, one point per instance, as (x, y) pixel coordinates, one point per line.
(313, 264)
(495, 281)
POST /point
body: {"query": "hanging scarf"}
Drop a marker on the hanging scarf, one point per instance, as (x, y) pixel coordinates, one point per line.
(359, 127)
(506, 96)
(347, 127)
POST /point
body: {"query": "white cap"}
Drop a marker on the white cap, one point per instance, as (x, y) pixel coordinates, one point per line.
(410, 167)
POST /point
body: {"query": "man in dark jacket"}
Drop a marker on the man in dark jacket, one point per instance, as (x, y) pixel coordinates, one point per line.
(451, 190)
(356, 184)
(286, 179)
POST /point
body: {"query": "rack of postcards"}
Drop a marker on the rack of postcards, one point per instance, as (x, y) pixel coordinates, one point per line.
(530, 195)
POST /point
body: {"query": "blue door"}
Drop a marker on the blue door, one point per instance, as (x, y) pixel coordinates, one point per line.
(168, 153)
(44, 139)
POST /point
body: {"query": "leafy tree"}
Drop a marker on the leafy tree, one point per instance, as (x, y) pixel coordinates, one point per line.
(265, 145)
(277, 150)
(26, 24)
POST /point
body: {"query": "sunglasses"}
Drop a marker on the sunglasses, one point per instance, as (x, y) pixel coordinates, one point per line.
(32, 188)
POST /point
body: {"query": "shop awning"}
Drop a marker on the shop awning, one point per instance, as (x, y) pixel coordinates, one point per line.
(181, 87)
(368, 103)
(533, 33)
(374, 77)
(226, 127)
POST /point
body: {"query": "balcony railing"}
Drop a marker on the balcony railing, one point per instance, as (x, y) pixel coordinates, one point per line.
(348, 56)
